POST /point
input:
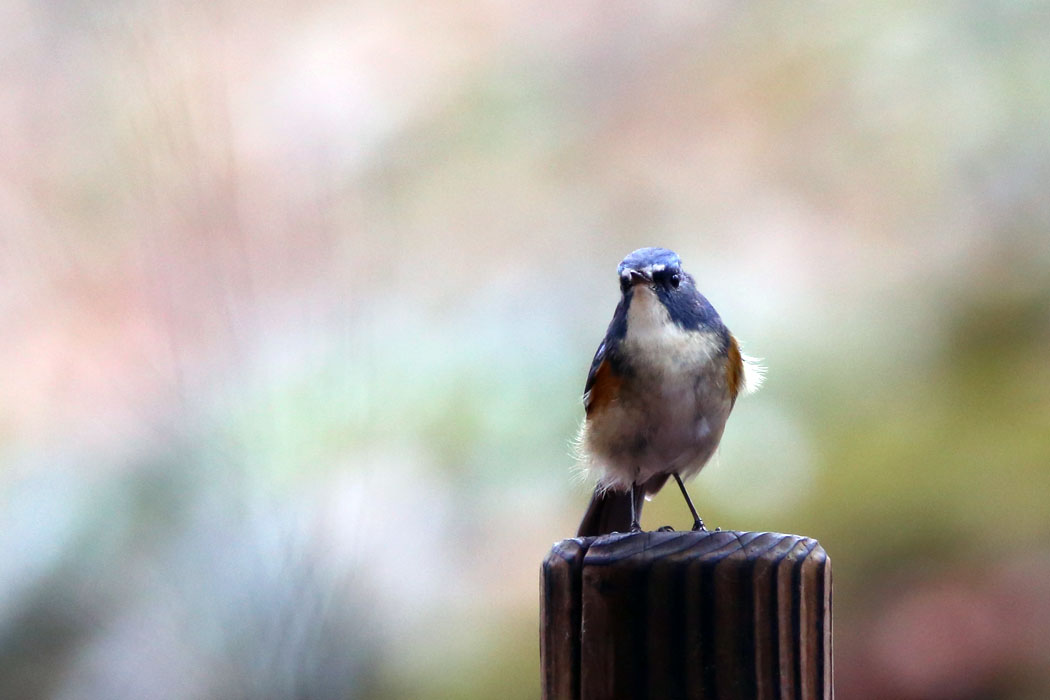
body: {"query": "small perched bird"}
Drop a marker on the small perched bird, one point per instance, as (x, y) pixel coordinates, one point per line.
(660, 389)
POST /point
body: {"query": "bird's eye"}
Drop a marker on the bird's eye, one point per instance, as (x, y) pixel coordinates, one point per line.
(676, 279)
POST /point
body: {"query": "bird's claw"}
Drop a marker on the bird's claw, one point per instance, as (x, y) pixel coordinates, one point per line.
(665, 528)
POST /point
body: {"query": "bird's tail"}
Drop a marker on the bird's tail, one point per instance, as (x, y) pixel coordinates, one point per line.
(610, 511)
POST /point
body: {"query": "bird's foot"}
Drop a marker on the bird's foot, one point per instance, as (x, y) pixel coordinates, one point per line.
(665, 528)
(698, 526)
(635, 527)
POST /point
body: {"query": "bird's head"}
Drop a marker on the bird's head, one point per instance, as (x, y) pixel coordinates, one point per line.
(656, 274)
(657, 268)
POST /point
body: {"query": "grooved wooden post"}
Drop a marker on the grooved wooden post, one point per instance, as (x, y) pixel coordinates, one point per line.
(705, 615)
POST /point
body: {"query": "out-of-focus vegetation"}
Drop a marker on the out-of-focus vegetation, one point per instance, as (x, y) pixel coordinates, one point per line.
(297, 300)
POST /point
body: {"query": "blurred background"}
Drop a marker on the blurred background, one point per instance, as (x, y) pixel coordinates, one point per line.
(297, 300)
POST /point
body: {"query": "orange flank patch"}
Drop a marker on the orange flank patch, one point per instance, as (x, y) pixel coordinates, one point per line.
(734, 368)
(604, 390)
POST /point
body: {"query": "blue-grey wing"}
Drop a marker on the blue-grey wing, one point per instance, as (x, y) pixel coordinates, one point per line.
(603, 379)
(599, 357)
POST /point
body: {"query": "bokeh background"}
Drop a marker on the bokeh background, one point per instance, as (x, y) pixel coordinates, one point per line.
(297, 300)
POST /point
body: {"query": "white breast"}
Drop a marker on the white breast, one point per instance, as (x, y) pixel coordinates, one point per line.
(656, 343)
(673, 404)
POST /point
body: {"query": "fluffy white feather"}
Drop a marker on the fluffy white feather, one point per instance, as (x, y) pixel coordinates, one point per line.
(754, 373)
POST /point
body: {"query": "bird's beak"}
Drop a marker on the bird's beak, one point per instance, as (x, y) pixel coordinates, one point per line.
(632, 277)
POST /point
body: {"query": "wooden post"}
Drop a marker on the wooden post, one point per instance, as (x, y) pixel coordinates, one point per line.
(705, 615)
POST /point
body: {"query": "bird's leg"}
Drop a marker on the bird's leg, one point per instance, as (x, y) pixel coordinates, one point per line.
(698, 523)
(635, 526)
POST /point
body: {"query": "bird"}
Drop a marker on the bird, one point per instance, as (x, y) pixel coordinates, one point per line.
(659, 391)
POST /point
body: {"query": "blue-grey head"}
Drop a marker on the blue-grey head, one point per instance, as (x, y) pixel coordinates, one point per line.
(660, 271)
(659, 268)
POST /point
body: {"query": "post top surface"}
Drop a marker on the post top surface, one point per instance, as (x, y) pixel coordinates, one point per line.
(646, 547)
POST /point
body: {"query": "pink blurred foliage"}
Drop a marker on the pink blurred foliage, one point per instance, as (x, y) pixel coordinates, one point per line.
(971, 630)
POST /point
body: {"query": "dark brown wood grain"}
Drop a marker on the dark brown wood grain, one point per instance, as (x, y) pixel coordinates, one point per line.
(704, 615)
(560, 618)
